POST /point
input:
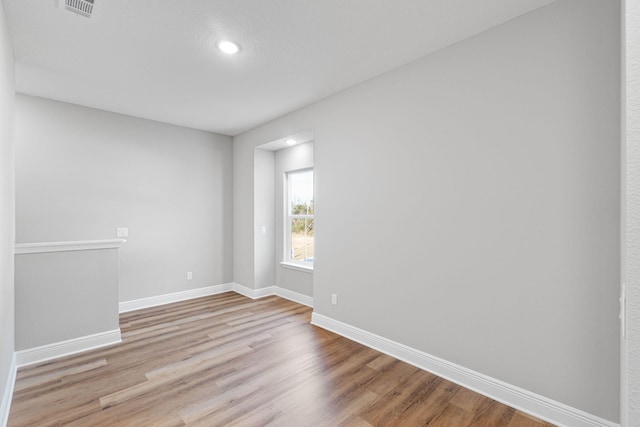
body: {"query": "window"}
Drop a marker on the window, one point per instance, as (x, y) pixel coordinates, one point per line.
(299, 218)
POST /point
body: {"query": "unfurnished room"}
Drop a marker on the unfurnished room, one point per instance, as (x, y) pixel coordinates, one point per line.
(320, 213)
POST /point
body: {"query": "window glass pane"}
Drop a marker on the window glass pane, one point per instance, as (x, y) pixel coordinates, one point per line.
(302, 239)
(301, 193)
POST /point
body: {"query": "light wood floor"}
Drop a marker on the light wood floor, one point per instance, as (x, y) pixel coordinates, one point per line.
(226, 360)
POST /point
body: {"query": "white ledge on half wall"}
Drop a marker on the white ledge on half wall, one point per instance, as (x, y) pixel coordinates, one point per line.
(82, 245)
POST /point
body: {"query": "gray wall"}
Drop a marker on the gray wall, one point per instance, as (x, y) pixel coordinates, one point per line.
(7, 223)
(65, 295)
(631, 259)
(289, 159)
(243, 215)
(264, 268)
(80, 173)
(472, 198)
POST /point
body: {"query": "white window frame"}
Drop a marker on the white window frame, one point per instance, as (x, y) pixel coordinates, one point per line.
(288, 216)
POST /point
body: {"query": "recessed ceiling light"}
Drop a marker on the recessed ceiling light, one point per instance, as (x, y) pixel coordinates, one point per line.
(291, 141)
(228, 47)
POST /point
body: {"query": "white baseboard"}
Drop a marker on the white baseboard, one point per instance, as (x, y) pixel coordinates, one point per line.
(294, 296)
(174, 297)
(213, 290)
(526, 401)
(262, 292)
(7, 395)
(65, 348)
(254, 293)
(273, 290)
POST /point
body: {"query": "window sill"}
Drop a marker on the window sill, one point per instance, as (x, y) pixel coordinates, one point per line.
(299, 267)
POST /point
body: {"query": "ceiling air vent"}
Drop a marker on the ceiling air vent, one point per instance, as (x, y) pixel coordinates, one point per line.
(80, 7)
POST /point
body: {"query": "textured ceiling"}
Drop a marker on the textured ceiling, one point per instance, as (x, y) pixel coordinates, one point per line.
(156, 59)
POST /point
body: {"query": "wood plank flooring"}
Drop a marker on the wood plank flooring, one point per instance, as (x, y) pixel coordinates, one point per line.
(227, 360)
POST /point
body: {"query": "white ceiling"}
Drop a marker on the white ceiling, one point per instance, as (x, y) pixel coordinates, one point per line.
(156, 59)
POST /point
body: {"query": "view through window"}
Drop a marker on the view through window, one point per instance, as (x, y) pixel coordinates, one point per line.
(300, 216)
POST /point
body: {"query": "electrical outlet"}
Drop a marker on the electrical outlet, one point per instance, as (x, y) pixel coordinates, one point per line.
(334, 299)
(189, 275)
(122, 232)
